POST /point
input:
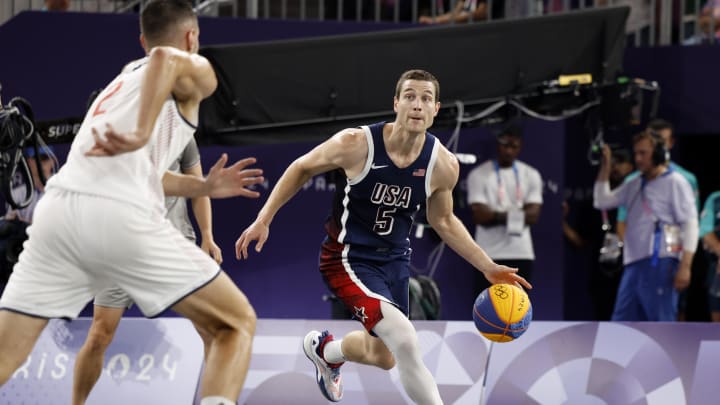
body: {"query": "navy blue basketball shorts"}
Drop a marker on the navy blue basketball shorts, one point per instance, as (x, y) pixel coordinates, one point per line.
(362, 277)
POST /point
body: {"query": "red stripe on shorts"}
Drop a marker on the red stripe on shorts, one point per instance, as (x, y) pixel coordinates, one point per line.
(345, 286)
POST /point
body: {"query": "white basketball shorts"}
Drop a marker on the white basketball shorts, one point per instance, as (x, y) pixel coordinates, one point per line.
(80, 244)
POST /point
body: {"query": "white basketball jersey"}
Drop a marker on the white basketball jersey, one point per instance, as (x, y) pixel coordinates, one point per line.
(134, 177)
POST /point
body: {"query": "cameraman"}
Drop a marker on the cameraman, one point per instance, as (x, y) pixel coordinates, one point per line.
(13, 224)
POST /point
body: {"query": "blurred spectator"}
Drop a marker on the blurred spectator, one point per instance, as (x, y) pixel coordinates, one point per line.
(593, 246)
(477, 10)
(662, 231)
(505, 196)
(708, 23)
(57, 5)
(709, 19)
(710, 235)
(464, 11)
(664, 129)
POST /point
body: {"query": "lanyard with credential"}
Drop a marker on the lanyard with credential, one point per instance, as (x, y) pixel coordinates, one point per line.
(501, 189)
(657, 234)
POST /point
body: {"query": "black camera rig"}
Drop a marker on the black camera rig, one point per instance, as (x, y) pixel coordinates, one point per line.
(17, 131)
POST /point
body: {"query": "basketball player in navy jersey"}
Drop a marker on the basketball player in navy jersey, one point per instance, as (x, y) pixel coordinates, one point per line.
(392, 169)
(101, 221)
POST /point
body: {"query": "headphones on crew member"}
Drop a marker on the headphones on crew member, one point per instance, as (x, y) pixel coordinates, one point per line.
(660, 154)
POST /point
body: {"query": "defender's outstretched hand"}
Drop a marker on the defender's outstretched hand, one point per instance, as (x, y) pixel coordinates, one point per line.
(500, 274)
(258, 232)
(231, 181)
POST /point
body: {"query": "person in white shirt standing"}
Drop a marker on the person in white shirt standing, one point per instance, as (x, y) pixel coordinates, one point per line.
(101, 222)
(661, 234)
(505, 195)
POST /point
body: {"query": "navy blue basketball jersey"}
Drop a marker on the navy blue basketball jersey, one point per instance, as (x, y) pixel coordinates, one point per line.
(377, 208)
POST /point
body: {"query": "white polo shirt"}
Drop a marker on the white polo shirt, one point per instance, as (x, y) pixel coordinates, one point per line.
(500, 188)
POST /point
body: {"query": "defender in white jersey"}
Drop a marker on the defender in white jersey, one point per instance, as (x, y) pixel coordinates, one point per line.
(110, 304)
(101, 222)
(392, 170)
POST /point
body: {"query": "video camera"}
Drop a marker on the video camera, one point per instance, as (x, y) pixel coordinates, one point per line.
(17, 131)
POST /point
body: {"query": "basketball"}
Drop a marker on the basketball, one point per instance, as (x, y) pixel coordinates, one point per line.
(502, 312)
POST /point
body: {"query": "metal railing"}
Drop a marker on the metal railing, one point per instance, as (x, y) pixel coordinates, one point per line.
(651, 22)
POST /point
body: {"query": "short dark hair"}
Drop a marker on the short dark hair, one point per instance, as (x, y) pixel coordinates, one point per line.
(659, 124)
(417, 74)
(513, 130)
(159, 16)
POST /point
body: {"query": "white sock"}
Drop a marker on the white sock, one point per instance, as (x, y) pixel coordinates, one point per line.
(216, 400)
(332, 352)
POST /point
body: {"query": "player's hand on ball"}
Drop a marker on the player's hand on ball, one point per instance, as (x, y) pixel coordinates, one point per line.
(501, 274)
(257, 232)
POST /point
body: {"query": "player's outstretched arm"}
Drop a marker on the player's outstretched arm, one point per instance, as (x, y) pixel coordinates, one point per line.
(345, 150)
(453, 232)
(221, 181)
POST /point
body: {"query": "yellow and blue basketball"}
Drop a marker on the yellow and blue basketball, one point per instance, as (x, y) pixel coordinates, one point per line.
(502, 312)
